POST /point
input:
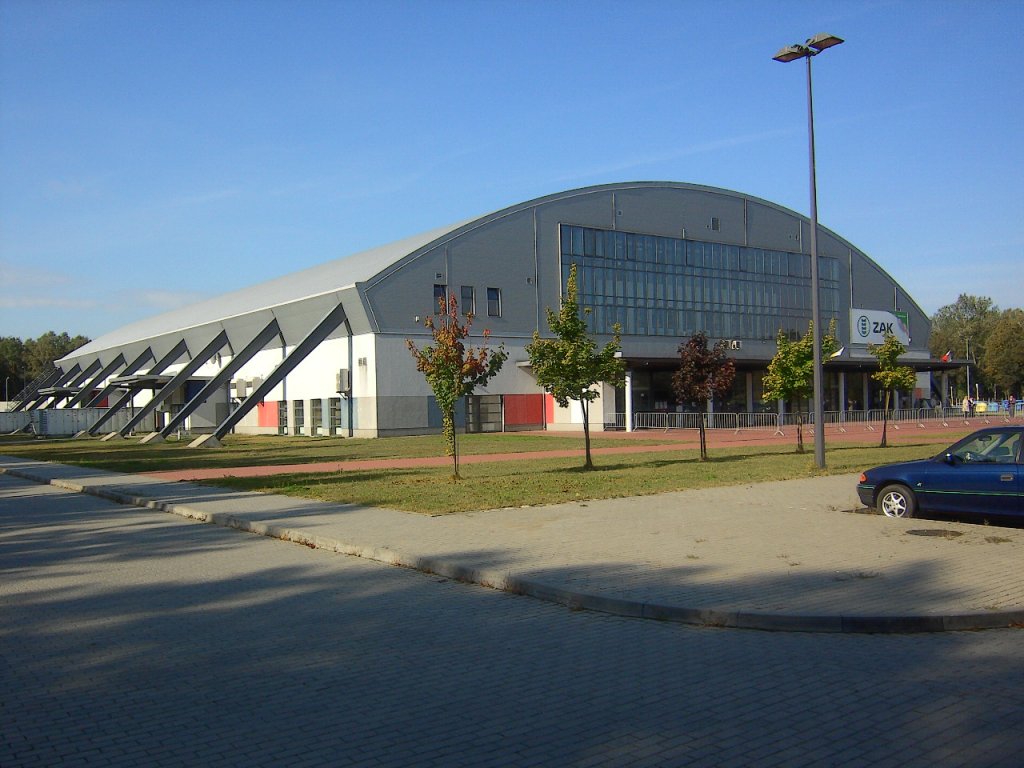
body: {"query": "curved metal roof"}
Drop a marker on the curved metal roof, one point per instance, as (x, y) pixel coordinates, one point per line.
(314, 286)
(322, 279)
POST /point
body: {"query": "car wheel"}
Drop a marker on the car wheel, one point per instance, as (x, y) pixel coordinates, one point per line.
(897, 501)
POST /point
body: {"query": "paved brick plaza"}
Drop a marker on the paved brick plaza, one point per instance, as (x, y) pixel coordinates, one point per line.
(134, 637)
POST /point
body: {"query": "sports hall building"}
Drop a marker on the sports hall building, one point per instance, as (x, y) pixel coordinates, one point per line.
(323, 350)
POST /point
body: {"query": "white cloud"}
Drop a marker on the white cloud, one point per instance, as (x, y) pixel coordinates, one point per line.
(18, 276)
(46, 302)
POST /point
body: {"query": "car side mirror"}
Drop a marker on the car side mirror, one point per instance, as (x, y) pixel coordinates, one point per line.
(950, 459)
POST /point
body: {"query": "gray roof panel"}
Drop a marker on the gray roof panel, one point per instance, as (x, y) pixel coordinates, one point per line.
(321, 279)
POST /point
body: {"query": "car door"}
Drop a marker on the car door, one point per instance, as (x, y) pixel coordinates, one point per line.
(981, 476)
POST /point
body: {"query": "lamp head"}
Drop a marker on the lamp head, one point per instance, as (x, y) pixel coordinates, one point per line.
(823, 40)
(792, 53)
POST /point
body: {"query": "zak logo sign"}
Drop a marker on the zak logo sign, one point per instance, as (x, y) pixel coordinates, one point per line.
(870, 326)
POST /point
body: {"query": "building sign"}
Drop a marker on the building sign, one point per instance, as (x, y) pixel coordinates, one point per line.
(869, 326)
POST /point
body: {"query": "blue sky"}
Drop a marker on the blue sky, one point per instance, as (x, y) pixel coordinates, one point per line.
(156, 153)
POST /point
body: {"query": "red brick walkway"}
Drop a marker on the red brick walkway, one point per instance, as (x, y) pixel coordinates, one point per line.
(668, 441)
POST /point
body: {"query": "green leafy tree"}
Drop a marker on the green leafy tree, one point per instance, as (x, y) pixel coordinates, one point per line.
(41, 352)
(890, 374)
(452, 369)
(703, 375)
(791, 372)
(1004, 355)
(969, 321)
(570, 365)
(12, 364)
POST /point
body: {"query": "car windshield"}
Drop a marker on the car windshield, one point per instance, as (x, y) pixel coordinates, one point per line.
(990, 447)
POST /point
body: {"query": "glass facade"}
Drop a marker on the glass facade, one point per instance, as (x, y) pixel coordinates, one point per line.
(663, 286)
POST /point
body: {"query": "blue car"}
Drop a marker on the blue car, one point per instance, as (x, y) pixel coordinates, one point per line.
(981, 475)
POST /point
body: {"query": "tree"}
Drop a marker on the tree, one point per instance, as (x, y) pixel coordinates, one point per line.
(967, 321)
(1004, 355)
(890, 374)
(41, 352)
(569, 365)
(452, 369)
(12, 364)
(791, 372)
(703, 375)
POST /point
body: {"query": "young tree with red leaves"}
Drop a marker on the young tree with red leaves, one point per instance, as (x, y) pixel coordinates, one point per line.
(703, 375)
(452, 369)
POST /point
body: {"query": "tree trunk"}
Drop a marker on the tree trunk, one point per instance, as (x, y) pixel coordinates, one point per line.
(452, 448)
(799, 433)
(703, 438)
(885, 419)
(589, 463)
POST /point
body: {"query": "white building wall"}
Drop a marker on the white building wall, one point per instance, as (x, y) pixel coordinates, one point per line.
(571, 419)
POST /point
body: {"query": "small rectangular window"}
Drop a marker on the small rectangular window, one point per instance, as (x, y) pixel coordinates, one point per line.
(493, 302)
(282, 417)
(468, 300)
(440, 295)
(334, 415)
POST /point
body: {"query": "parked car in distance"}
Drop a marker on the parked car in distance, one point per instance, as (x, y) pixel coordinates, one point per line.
(980, 475)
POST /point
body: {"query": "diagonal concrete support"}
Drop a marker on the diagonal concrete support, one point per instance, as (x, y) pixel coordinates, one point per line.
(87, 388)
(59, 382)
(30, 395)
(76, 384)
(129, 369)
(169, 359)
(223, 376)
(332, 320)
(179, 379)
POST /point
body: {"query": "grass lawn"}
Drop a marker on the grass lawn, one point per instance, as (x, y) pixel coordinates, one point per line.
(550, 481)
(489, 485)
(267, 450)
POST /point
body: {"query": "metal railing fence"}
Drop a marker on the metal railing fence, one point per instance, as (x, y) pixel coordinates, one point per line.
(843, 420)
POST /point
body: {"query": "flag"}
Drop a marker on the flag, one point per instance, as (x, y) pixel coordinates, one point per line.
(837, 353)
(947, 357)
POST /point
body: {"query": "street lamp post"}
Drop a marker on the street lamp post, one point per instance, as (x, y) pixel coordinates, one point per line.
(810, 49)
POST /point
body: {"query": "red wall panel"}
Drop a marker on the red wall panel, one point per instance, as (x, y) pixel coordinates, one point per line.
(524, 409)
(266, 413)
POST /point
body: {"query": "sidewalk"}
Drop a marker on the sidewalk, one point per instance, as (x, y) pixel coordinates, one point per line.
(785, 555)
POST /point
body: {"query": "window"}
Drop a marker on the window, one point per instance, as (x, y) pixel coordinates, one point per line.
(468, 300)
(334, 415)
(298, 411)
(440, 294)
(697, 284)
(493, 302)
(316, 415)
(282, 417)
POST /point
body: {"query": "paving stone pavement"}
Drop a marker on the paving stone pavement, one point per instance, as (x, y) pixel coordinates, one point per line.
(786, 555)
(131, 637)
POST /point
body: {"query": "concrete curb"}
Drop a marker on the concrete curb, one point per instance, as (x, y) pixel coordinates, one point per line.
(508, 582)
